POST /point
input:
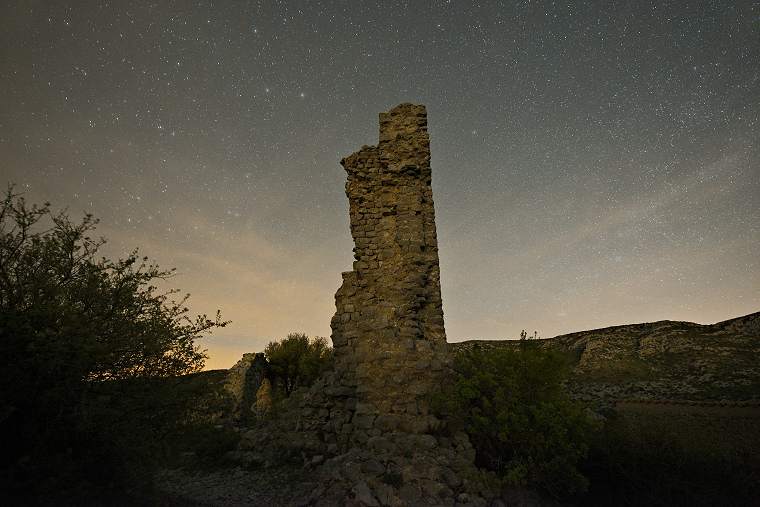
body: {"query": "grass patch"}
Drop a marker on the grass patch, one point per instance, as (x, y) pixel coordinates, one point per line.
(656, 464)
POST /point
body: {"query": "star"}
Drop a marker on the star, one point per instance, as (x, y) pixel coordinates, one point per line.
(590, 167)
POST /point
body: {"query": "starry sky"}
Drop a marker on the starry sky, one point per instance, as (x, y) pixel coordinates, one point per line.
(594, 163)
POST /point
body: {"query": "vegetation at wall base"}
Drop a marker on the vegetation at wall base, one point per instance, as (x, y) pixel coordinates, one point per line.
(297, 361)
(645, 465)
(93, 360)
(527, 435)
(511, 405)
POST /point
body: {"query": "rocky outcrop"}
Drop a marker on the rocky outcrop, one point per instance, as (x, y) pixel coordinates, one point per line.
(244, 381)
(665, 360)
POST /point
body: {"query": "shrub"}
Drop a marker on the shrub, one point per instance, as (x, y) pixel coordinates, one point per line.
(82, 343)
(523, 429)
(297, 361)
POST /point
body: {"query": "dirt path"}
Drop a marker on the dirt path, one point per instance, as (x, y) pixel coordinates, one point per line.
(283, 487)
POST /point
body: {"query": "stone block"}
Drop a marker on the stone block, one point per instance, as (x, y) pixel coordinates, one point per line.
(372, 467)
(352, 471)
(435, 489)
(364, 421)
(363, 495)
(363, 408)
(426, 442)
(409, 493)
(386, 422)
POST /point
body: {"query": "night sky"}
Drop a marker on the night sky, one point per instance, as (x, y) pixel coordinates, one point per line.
(594, 163)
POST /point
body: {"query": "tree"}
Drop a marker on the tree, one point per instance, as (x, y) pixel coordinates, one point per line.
(297, 361)
(77, 333)
(510, 403)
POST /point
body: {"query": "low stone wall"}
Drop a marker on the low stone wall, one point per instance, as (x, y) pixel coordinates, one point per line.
(243, 382)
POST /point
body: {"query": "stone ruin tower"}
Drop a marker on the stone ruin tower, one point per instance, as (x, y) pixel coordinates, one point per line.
(388, 335)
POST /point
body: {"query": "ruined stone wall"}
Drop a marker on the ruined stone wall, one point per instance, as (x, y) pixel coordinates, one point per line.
(243, 382)
(366, 420)
(388, 333)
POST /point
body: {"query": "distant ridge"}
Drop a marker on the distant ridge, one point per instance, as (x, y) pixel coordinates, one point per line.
(659, 360)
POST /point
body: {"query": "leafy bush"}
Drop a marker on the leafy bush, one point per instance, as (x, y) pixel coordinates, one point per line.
(83, 342)
(522, 428)
(297, 361)
(211, 443)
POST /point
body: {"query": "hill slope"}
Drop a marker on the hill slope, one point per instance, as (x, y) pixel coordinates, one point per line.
(660, 360)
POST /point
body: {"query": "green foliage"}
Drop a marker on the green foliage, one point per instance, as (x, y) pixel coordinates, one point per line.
(297, 361)
(83, 342)
(207, 444)
(523, 429)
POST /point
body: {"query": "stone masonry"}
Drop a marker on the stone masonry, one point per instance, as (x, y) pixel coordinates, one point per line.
(362, 428)
(244, 381)
(388, 335)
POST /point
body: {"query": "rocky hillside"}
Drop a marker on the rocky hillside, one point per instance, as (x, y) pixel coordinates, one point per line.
(660, 360)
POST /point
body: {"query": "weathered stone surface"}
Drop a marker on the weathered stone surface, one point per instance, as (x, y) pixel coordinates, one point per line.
(373, 467)
(409, 493)
(388, 333)
(362, 428)
(364, 495)
(243, 382)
